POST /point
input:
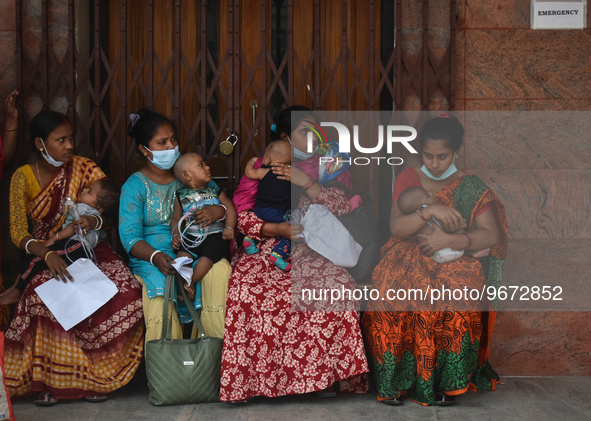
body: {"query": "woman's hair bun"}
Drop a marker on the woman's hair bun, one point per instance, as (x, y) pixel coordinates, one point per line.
(143, 125)
(445, 127)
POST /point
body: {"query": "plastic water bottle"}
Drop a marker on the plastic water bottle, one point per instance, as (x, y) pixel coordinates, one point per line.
(71, 208)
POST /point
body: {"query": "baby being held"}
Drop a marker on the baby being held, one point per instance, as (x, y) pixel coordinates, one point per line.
(273, 199)
(209, 240)
(416, 197)
(101, 199)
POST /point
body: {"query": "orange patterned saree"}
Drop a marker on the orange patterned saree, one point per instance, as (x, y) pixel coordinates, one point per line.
(422, 353)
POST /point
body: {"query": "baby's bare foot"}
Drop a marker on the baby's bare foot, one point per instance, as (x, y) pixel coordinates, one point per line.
(190, 290)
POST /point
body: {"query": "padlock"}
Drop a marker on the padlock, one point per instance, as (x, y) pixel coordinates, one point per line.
(227, 147)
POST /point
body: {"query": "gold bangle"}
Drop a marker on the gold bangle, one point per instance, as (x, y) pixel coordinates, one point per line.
(47, 254)
(10, 130)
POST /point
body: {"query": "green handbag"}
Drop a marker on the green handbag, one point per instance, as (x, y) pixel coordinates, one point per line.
(182, 371)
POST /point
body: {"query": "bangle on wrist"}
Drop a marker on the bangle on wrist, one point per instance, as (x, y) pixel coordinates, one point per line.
(469, 241)
(46, 255)
(10, 130)
(99, 222)
(420, 212)
(309, 184)
(225, 212)
(57, 235)
(230, 228)
(152, 256)
(27, 245)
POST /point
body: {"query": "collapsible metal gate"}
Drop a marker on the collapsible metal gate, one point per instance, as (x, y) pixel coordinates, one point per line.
(222, 69)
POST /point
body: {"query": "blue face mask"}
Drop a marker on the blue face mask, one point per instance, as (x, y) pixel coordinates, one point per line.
(49, 158)
(447, 173)
(165, 159)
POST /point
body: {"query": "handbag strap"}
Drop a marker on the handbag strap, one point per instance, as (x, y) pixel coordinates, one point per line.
(171, 280)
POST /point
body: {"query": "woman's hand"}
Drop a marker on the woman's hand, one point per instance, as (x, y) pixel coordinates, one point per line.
(449, 218)
(85, 223)
(292, 174)
(283, 171)
(57, 266)
(10, 110)
(163, 262)
(283, 229)
(294, 231)
(290, 231)
(209, 214)
(437, 240)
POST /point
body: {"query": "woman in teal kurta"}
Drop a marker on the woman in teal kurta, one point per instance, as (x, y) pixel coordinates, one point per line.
(145, 213)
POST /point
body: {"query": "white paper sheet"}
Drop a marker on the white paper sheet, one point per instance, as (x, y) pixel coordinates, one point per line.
(185, 271)
(73, 302)
(326, 235)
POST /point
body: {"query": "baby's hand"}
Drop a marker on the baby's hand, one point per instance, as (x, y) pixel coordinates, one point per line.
(176, 241)
(228, 234)
(49, 242)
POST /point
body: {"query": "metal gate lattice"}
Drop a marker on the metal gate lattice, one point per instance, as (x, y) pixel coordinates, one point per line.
(200, 63)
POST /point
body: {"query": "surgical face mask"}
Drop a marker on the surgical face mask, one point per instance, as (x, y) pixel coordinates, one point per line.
(447, 173)
(49, 158)
(165, 159)
(302, 156)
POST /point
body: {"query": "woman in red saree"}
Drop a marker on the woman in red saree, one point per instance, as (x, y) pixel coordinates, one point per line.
(431, 355)
(275, 345)
(101, 353)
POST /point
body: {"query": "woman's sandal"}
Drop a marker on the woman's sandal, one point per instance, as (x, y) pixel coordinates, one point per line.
(329, 392)
(441, 399)
(239, 402)
(96, 398)
(393, 401)
(46, 399)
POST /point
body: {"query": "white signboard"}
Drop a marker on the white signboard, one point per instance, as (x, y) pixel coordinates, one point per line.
(558, 14)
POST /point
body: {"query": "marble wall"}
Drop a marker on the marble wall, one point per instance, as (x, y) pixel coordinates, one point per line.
(545, 184)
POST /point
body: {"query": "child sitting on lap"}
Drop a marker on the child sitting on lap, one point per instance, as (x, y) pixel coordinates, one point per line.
(273, 199)
(208, 242)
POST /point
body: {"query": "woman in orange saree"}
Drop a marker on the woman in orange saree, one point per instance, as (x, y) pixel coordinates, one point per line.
(432, 354)
(101, 353)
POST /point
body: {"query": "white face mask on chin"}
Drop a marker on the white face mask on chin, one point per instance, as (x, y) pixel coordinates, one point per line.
(302, 156)
(447, 173)
(49, 158)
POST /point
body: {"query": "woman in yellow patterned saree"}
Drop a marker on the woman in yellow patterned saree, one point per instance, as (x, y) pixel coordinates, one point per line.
(101, 353)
